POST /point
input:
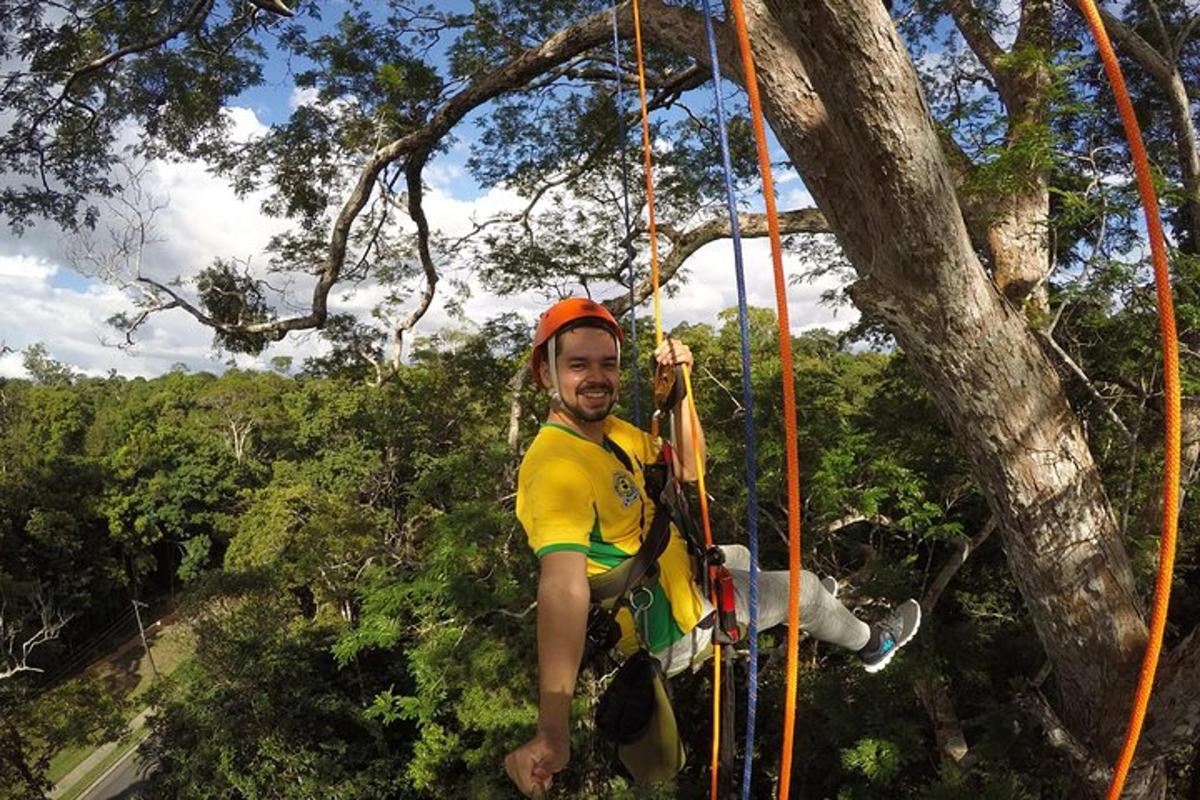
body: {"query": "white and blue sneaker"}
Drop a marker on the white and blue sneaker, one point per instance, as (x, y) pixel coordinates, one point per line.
(889, 634)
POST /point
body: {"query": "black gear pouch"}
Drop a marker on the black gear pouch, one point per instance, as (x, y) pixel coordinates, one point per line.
(628, 704)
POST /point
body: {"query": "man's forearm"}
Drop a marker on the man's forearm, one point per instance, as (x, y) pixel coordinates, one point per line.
(688, 429)
(561, 629)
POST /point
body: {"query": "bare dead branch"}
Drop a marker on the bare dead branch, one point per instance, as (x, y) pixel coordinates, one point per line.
(516, 384)
(20, 636)
(1060, 738)
(934, 696)
(417, 212)
(878, 520)
(962, 551)
(1076, 370)
(273, 6)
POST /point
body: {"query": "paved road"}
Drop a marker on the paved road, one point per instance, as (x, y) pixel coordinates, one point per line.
(85, 767)
(123, 781)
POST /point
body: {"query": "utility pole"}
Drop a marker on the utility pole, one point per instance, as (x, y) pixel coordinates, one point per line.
(142, 631)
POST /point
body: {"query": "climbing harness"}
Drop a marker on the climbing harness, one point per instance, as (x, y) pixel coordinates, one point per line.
(1171, 390)
(647, 740)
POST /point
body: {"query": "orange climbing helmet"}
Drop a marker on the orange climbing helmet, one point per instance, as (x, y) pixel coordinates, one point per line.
(564, 313)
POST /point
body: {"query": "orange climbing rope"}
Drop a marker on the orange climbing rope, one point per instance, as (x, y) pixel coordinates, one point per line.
(738, 13)
(658, 337)
(648, 166)
(694, 420)
(1166, 321)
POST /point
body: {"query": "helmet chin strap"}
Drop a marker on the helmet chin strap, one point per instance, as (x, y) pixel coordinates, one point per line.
(556, 400)
(552, 362)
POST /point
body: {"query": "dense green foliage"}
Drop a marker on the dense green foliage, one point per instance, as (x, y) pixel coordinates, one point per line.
(361, 592)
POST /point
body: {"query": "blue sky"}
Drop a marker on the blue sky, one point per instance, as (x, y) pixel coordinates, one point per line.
(67, 311)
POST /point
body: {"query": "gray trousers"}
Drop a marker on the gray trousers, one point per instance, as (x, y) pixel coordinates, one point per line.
(822, 616)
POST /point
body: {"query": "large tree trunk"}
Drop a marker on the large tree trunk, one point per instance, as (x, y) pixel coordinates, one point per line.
(872, 160)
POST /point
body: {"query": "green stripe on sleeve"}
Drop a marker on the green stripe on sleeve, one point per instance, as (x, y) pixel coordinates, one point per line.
(554, 548)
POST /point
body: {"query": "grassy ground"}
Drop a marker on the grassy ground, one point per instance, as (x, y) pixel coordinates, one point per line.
(127, 674)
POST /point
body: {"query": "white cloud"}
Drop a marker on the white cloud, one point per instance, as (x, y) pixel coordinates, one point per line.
(303, 96)
(712, 288)
(204, 220)
(797, 198)
(70, 322)
(244, 124)
(10, 366)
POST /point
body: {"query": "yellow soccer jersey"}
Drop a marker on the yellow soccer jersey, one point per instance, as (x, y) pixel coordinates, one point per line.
(574, 494)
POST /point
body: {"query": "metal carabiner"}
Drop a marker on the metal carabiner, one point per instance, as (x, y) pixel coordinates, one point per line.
(639, 611)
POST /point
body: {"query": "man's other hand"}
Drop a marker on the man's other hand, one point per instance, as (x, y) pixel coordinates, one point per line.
(673, 353)
(532, 765)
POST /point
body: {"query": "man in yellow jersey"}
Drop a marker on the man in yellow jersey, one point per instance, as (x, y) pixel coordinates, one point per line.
(581, 498)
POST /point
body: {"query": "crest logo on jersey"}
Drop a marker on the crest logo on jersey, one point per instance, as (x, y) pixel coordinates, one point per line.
(624, 488)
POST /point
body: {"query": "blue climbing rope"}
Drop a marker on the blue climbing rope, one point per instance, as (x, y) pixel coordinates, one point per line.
(747, 399)
(626, 243)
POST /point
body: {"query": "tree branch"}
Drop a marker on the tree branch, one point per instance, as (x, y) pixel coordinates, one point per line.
(196, 12)
(49, 624)
(970, 25)
(963, 550)
(1078, 372)
(1060, 738)
(804, 220)
(417, 146)
(1154, 62)
(1185, 32)
(417, 212)
(947, 729)
(1174, 713)
(1165, 71)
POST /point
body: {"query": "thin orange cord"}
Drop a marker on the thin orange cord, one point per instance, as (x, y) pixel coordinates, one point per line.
(694, 421)
(649, 168)
(1166, 322)
(658, 337)
(738, 13)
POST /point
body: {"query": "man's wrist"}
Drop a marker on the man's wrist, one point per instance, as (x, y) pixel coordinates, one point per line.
(557, 736)
(554, 717)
